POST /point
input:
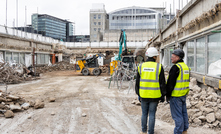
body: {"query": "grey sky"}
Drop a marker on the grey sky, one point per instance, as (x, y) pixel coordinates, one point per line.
(74, 10)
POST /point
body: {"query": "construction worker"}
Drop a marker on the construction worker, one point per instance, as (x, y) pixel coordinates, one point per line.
(150, 88)
(177, 89)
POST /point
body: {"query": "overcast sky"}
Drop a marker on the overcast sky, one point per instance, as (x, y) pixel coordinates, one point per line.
(73, 10)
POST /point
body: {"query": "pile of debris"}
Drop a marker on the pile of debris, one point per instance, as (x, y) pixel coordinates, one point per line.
(10, 104)
(13, 75)
(60, 66)
(203, 106)
(105, 68)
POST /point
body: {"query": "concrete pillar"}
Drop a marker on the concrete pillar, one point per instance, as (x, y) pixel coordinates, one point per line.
(178, 25)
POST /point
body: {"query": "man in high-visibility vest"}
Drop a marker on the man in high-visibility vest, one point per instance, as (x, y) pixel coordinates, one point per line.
(177, 89)
(150, 88)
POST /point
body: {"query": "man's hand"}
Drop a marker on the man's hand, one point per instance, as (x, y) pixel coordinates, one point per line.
(162, 99)
(139, 98)
(168, 99)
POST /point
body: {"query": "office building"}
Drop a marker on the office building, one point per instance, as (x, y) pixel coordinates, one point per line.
(52, 26)
(98, 22)
(79, 38)
(140, 23)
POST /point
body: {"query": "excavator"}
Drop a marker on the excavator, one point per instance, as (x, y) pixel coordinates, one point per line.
(89, 65)
(122, 57)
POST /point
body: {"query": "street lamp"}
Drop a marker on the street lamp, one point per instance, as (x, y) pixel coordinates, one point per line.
(6, 13)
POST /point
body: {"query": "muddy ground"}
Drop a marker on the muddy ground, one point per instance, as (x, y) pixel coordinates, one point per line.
(106, 111)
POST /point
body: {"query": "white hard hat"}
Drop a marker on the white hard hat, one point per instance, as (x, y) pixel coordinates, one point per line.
(151, 52)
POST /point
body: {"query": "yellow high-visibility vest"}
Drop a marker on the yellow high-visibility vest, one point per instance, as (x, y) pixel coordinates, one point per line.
(149, 80)
(182, 83)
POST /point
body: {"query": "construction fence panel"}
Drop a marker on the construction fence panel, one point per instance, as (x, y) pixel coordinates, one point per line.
(2, 29)
(113, 44)
(103, 45)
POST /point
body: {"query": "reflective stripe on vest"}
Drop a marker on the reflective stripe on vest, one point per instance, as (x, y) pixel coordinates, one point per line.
(182, 84)
(149, 80)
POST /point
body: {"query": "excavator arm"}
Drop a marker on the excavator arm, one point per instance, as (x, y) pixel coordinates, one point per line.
(122, 40)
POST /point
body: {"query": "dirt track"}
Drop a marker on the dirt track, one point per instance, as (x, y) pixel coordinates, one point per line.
(108, 111)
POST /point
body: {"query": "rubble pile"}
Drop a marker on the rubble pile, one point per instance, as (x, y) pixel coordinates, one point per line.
(104, 69)
(203, 106)
(10, 104)
(11, 75)
(60, 66)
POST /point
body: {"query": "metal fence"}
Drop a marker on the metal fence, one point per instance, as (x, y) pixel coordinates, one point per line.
(40, 38)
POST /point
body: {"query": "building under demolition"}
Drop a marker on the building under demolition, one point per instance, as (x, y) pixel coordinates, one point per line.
(195, 29)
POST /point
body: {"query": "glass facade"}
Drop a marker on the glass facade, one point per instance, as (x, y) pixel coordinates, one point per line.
(214, 48)
(24, 58)
(204, 55)
(190, 55)
(51, 26)
(200, 55)
(134, 19)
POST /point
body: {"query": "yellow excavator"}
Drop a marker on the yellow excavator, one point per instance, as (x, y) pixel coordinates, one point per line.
(89, 65)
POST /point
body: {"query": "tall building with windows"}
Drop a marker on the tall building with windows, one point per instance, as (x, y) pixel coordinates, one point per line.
(98, 22)
(141, 23)
(52, 26)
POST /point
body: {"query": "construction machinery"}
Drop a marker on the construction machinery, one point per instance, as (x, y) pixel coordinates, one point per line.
(123, 56)
(89, 65)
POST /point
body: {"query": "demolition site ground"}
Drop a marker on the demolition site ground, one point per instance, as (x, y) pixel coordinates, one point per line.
(83, 105)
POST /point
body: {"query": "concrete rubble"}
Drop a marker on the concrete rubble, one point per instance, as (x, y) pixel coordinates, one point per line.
(60, 66)
(13, 75)
(10, 104)
(206, 101)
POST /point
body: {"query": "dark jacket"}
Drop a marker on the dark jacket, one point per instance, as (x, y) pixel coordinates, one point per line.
(161, 81)
(171, 82)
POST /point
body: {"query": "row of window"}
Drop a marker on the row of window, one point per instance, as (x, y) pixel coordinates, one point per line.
(133, 24)
(133, 17)
(24, 58)
(52, 21)
(203, 53)
(97, 16)
(130, 11)
(97, 29)
(97, 23)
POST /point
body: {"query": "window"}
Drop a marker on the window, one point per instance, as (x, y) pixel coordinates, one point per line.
(42, 59)
(1, 56)
(200, 55)
(95, 29)
(46, 58)
(99, 16)
(190, 55)
(99, 29)
(95, 16)
(95, 23)
(22, 58)
(8, 56)
(99, 23)
(15, 57)
(214, 53)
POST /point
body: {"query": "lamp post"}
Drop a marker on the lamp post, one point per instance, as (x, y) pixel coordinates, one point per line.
(17, 13)
(6, 12)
